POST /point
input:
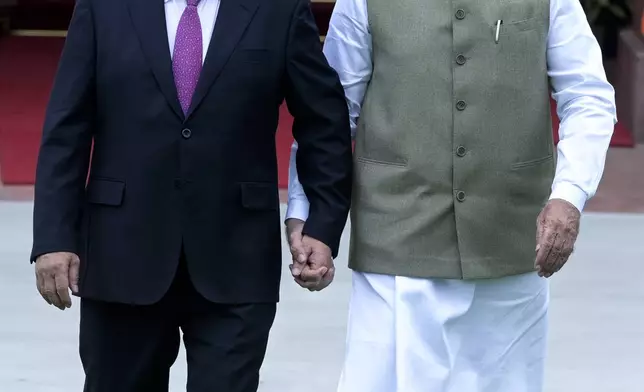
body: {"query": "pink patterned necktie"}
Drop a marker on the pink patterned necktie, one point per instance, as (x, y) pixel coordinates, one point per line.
(188, 54)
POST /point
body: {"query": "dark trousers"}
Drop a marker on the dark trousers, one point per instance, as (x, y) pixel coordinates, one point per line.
(127, 348)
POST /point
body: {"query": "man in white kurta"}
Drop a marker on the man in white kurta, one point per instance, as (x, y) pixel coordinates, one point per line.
(410, 334)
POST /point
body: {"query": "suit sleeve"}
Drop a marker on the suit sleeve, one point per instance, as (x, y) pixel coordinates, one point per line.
(321, 129)
(65, 148)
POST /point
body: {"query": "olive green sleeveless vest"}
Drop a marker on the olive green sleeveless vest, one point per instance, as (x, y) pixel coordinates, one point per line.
(454, 148)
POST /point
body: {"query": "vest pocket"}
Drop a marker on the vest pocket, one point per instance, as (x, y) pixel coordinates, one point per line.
(532, 162)
(513, 27)
(370, 161)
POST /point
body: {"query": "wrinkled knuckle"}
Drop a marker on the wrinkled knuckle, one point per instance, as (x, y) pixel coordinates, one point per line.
(59, 265)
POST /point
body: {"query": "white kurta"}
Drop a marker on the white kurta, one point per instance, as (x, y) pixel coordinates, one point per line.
(440, 335)
(435, 335)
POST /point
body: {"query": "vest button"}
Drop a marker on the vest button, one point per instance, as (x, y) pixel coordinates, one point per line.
(186, 133)
(460, 59)
(460, 196)
(460, 14)
(460, 151)
(461, 105)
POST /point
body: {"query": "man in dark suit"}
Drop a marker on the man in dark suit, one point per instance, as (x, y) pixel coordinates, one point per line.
(178, 224)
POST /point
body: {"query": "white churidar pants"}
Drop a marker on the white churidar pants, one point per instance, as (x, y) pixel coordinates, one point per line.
(441, 335)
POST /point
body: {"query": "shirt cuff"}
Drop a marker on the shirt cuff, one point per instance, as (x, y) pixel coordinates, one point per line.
(570, 193)
(297, 209)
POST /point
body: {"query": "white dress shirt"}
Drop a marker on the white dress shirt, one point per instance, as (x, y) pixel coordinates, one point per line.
(585, 100)
(207, 10)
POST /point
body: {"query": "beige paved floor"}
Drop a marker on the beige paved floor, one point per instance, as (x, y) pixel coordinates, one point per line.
(596, 319)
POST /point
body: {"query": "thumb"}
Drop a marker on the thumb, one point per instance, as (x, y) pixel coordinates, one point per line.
(300, 258)
(302, 255)
(299, 250)
(541, 227)
(73, 274)
(295, 242)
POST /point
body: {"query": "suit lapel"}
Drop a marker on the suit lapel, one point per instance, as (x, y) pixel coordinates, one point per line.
(148, 17)
(232, 20)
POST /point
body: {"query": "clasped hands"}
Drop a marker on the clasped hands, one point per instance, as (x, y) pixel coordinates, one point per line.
(312, 267)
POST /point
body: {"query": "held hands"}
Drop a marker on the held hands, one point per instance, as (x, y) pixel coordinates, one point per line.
(312, 266)
(557, 229)
(56, 274)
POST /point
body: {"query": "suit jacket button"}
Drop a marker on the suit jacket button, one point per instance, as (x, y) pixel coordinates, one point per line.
(460, 14)
(460, 196)
(461, 105)
(460, 59)
(186, 133)
(460, 151)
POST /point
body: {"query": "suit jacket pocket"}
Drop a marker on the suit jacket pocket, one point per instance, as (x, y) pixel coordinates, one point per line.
(532, 162)
(104, 191)
(259, 196)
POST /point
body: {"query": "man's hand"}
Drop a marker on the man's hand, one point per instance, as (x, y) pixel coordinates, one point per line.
(557, 229)
(312, 266)
(299, 253)
(56, 274)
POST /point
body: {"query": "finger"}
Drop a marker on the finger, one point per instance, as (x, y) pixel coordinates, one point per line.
(62, 289)
(329, 275)
(313, 275)
(556, 248)
(297, 252)
(73, 275)
(306, 284)
(311, 278)
(296, 268)
(40, 284)
(298, 249)
(543, 250)
(564, 255)
(49, 291)
(327, 279)
(541, 228)
(301, 255)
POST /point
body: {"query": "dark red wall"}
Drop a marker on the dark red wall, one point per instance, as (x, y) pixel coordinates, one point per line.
(55, 14)
(41, 14)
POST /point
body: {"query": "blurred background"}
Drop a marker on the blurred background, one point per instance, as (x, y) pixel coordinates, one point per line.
(597, 320)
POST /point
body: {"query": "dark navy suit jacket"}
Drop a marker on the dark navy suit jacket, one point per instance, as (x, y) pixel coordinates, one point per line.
(205, 181)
